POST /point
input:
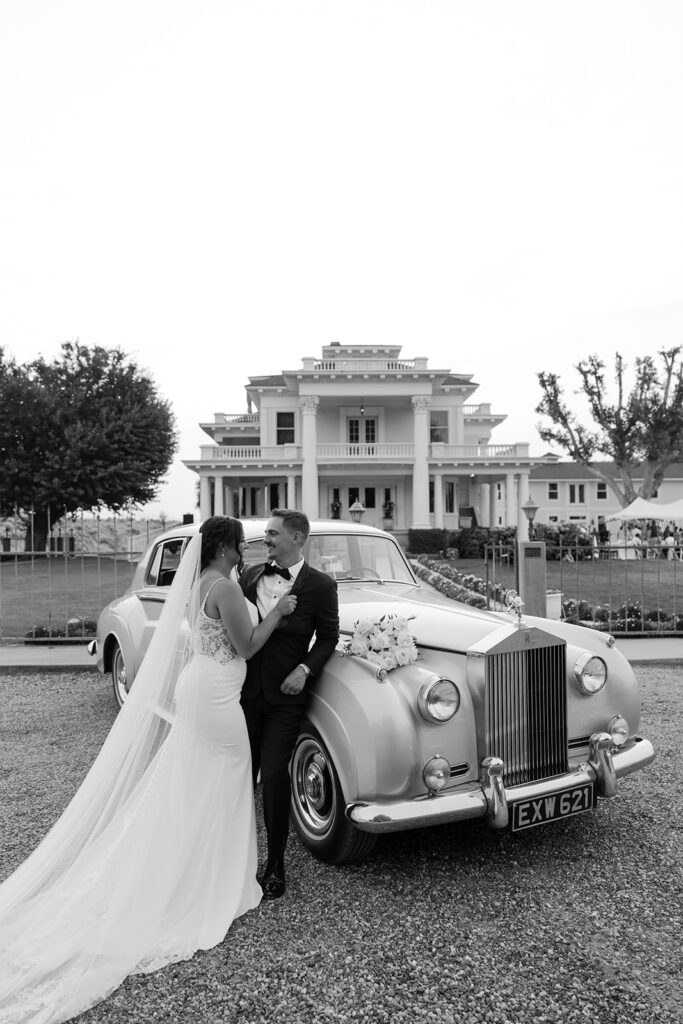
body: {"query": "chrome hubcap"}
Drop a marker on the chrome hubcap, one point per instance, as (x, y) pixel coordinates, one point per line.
(314, 785)
(315, 803)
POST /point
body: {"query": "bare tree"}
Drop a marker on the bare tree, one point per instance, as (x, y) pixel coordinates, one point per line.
(641, 432)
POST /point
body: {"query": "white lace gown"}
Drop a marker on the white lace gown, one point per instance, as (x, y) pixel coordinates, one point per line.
(169, 874)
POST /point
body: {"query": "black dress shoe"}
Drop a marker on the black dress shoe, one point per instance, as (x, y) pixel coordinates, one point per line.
(273, 881)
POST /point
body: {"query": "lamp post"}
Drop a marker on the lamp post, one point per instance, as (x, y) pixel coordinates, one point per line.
(357, 511)
(530, 508)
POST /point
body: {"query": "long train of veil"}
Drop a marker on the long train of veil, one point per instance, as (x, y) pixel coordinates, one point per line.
(54, 906)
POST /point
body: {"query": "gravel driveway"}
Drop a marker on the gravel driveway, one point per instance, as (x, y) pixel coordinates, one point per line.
(578, 922)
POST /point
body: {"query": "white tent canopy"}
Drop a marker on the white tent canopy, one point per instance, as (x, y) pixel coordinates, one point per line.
(642, 509)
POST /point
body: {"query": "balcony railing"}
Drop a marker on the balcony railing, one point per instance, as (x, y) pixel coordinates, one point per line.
(344, 365)
(483, 409)
(250, 453)
(365, 451)
(462, 452)
(241, 417)
(396, 451)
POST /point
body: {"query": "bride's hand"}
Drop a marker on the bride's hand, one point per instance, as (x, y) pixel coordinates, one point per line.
(286, 605)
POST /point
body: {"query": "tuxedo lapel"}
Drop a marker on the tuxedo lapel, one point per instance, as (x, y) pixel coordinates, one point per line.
(300, 581)
(251, 583)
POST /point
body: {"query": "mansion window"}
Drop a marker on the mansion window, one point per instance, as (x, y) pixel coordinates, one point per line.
(366, 496)
(577, 494)
(438, 426)
(362, 431)
(285, 428)
(553, 492)
(602, 491)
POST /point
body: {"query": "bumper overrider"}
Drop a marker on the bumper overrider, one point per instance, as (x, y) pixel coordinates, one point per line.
(490, 799)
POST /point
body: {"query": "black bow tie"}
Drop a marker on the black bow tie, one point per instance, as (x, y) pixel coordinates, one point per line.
(271, 569)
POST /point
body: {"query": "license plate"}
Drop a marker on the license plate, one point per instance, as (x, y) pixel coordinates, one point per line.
(542, 809)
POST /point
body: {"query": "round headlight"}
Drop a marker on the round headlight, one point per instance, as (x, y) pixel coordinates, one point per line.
(436, 773)
(618, 730)
(438, 699)
(591, 673)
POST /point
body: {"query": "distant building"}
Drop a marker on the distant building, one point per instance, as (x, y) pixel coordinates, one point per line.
(362, 424)
(567, 492)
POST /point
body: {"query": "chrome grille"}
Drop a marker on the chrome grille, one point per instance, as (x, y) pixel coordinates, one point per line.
(526, 712)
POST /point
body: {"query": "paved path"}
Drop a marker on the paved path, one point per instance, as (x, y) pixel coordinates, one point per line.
(75, 657)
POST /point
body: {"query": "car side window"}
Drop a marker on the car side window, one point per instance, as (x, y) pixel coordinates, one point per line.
(164, 563)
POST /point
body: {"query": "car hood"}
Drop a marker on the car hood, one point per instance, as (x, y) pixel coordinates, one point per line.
(441, 622)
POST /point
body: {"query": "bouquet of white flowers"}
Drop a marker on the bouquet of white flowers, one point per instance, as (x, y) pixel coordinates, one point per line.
(386, 642)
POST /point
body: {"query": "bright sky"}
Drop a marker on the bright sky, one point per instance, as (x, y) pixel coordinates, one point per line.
(223, 186)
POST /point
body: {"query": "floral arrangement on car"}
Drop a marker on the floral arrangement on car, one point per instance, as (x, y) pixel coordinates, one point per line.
(386, 642)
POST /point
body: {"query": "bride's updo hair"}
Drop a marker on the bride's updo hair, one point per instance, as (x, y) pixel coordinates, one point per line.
(217, 531)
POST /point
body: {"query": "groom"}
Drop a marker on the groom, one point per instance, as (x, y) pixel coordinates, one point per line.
(274, 695)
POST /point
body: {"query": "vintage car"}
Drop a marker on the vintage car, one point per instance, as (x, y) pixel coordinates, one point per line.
(517, 720)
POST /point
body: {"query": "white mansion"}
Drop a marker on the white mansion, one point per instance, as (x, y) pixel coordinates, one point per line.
(363, 424)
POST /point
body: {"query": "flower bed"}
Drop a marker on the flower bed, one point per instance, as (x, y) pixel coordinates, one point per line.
(472, 590)
(459, 586)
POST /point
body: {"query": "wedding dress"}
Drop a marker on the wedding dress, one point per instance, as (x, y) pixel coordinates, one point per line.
(156, 854)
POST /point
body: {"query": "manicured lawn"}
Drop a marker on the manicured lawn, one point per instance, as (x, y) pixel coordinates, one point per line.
(50, 591)
(653, 583)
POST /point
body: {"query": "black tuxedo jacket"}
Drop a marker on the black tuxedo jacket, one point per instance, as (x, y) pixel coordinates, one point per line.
(317, 612)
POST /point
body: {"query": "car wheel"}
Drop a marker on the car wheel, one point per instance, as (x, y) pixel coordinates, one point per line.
(318, 804)
(118, 675)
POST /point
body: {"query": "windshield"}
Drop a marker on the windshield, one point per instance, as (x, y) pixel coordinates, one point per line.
(353, 556)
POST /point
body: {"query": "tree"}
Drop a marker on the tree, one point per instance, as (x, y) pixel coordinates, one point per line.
(641, 432)
(85, 431)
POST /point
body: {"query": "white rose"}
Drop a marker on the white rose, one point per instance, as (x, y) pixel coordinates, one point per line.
(404, 656)
(359, 648)
(405, 639)
(374, 657)
(364, 627)
(388, 660)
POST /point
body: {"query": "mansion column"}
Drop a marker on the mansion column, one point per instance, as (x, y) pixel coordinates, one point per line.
(218, 502)
(438, 501)
(204, 497)
(290, 497)
(310, 503)
(510, 500)
(485, 504)
(420, 464)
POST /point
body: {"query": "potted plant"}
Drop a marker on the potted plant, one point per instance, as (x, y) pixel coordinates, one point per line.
(335, 509)
(388, 514)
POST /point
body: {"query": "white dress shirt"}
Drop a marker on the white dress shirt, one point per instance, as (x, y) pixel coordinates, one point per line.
(269, 589)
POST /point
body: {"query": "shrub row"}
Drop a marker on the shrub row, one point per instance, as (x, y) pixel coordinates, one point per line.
(75, 631)
(470, 543)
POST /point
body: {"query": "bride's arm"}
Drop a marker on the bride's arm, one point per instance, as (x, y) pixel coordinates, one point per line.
(228, 600)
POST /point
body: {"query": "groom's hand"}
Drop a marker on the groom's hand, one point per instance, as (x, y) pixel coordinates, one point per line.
(295, 681)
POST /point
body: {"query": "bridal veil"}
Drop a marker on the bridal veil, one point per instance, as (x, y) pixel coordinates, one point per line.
(52, 906)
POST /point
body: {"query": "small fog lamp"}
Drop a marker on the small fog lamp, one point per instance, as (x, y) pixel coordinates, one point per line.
(618, 730)
(436, 773)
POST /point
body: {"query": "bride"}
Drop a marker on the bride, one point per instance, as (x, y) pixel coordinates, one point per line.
(155, 856)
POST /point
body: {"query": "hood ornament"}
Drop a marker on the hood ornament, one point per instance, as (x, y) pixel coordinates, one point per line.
(515, 605)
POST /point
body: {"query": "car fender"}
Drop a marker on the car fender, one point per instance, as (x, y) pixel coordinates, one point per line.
(118, 633)
(373, 731)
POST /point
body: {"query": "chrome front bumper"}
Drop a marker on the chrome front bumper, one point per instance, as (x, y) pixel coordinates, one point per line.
(490, 799)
